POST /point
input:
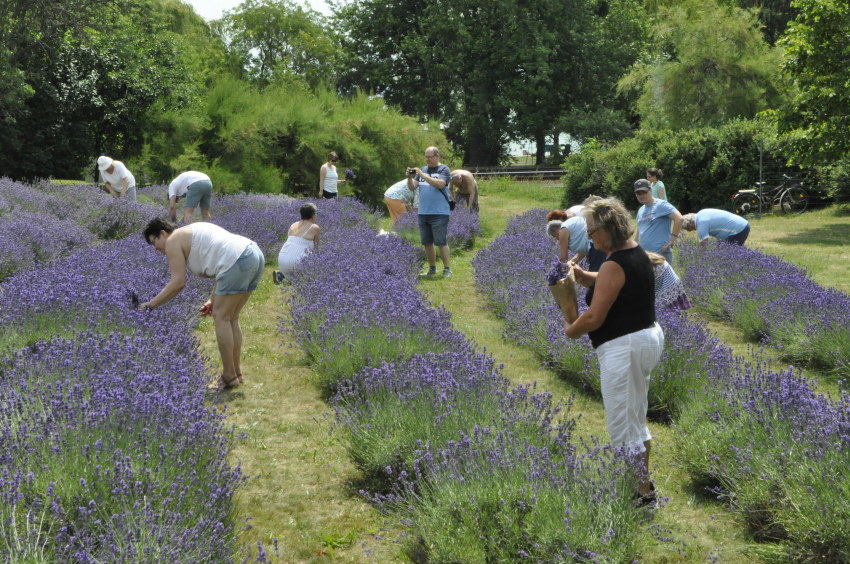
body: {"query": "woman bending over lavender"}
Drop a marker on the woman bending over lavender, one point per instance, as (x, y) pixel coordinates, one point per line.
(208, 251)
(620, 321)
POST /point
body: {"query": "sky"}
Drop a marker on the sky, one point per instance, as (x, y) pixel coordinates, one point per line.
(212, 9)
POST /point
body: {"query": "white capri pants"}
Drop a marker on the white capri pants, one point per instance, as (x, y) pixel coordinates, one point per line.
(625, 364)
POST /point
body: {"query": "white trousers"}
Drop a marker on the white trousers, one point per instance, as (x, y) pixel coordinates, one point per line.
(625, 364)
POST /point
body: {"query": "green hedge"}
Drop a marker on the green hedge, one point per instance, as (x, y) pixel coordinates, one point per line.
(275, 140)
(703, 167)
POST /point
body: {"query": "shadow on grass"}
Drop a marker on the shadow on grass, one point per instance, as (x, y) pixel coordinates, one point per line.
(827, 235)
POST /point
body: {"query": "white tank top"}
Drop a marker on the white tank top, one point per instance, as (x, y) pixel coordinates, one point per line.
(214, 250)
(331, 177)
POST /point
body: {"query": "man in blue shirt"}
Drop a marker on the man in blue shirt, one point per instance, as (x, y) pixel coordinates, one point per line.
(658, 222)
(434, 210)
(717, 223)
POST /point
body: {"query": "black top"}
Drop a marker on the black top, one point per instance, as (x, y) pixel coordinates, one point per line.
(634, 308)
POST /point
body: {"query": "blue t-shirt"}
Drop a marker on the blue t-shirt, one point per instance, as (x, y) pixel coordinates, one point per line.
(577, 227)
(718, 223)
(654, 225)
(431, 200)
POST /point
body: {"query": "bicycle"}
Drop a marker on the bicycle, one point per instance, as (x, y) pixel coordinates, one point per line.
(790, 196)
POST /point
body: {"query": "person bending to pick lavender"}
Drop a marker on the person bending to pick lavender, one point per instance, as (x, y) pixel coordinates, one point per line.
(303, 236)
(719, 224)
(118, 180)
(620, 321)
(197, 187)
(208, 251)
(571, 233)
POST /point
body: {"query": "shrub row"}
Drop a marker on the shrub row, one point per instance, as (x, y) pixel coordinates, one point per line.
(772, 301)
(274, 140)
(703, 167)
(511, 274)
(477, 470)
(765, 443)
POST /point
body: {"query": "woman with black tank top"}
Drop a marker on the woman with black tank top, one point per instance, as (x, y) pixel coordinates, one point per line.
(620, 321)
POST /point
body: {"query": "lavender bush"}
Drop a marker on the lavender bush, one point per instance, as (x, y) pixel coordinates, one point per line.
(424, 414)
(108, 451)
(512, 273)
(777, 451)
(771, 300)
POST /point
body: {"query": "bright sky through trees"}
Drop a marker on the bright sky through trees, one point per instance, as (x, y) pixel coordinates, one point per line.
(212, 9)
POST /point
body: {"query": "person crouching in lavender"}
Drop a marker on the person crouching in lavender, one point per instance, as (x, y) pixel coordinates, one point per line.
(620, 321)
(206, 250)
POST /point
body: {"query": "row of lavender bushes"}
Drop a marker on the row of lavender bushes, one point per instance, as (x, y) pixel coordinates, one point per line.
(510, 273)
(41, 222)
(772, 301)
(475, 469)
(766, 443)
(108, 451)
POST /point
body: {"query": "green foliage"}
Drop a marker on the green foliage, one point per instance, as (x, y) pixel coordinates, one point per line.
(703, 167)
(91, 88)
(274, 38)
(713, 66)
(491, 70)
(275, 140)
(817, 47)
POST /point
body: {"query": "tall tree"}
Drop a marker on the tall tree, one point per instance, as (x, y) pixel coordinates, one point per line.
(489, 70)
(712, 65)
(278, 37)
(817, 59)
(91, 86)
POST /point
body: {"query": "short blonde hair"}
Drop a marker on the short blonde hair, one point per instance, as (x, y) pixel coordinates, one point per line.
(611, 215)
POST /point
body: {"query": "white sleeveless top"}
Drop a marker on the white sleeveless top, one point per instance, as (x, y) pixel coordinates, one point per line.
(331, 177)
(294, 249)
(214, 250)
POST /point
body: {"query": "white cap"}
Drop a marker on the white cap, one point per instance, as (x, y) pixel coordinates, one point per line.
(103, 163)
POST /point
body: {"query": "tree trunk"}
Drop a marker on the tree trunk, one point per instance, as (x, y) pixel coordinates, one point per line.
(556, 147)
(540, 142)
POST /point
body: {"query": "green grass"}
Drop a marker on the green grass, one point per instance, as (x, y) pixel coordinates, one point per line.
(303, 489)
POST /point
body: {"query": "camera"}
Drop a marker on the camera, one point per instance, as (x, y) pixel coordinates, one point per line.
(411, 171)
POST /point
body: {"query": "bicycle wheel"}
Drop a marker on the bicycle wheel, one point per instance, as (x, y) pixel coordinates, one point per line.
(794, 200)
(744, 204)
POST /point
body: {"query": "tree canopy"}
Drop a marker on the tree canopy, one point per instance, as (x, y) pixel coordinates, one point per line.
(489, 70)
(711, 65)
(817, 59)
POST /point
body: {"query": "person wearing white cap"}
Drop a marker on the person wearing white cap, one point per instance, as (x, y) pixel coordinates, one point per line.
(118, 180)
(197, 187)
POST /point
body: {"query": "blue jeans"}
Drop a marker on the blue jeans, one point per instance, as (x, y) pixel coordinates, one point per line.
(433, 229)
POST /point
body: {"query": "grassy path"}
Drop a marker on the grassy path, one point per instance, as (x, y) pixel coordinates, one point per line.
(300, 488)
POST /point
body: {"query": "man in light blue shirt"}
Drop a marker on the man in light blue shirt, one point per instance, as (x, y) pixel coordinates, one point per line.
(719, 224)
(434, 210)
(659, 223)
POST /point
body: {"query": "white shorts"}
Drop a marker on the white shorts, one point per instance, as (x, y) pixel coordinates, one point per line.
(625, 364)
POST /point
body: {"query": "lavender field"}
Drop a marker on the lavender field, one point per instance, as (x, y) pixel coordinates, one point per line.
(111, 450)
(768, 445)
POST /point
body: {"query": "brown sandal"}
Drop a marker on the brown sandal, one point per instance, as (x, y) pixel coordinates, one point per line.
(222, 384)
(239, 377)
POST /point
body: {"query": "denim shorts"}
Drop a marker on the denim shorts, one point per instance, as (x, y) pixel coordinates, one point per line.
(433, 228)
(244, 276)
(199, 192)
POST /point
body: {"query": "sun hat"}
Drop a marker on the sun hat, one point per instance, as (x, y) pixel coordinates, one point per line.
(103, 163)
(642, 184)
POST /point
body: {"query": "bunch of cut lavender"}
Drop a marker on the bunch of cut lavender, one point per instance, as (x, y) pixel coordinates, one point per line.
(349, 174)
(559, 271)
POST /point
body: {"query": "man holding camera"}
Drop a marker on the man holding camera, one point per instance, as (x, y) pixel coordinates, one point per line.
(434, 208)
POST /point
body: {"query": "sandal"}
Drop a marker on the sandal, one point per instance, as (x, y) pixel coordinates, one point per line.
(648, 500)
(239, 377)
(222, 384)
